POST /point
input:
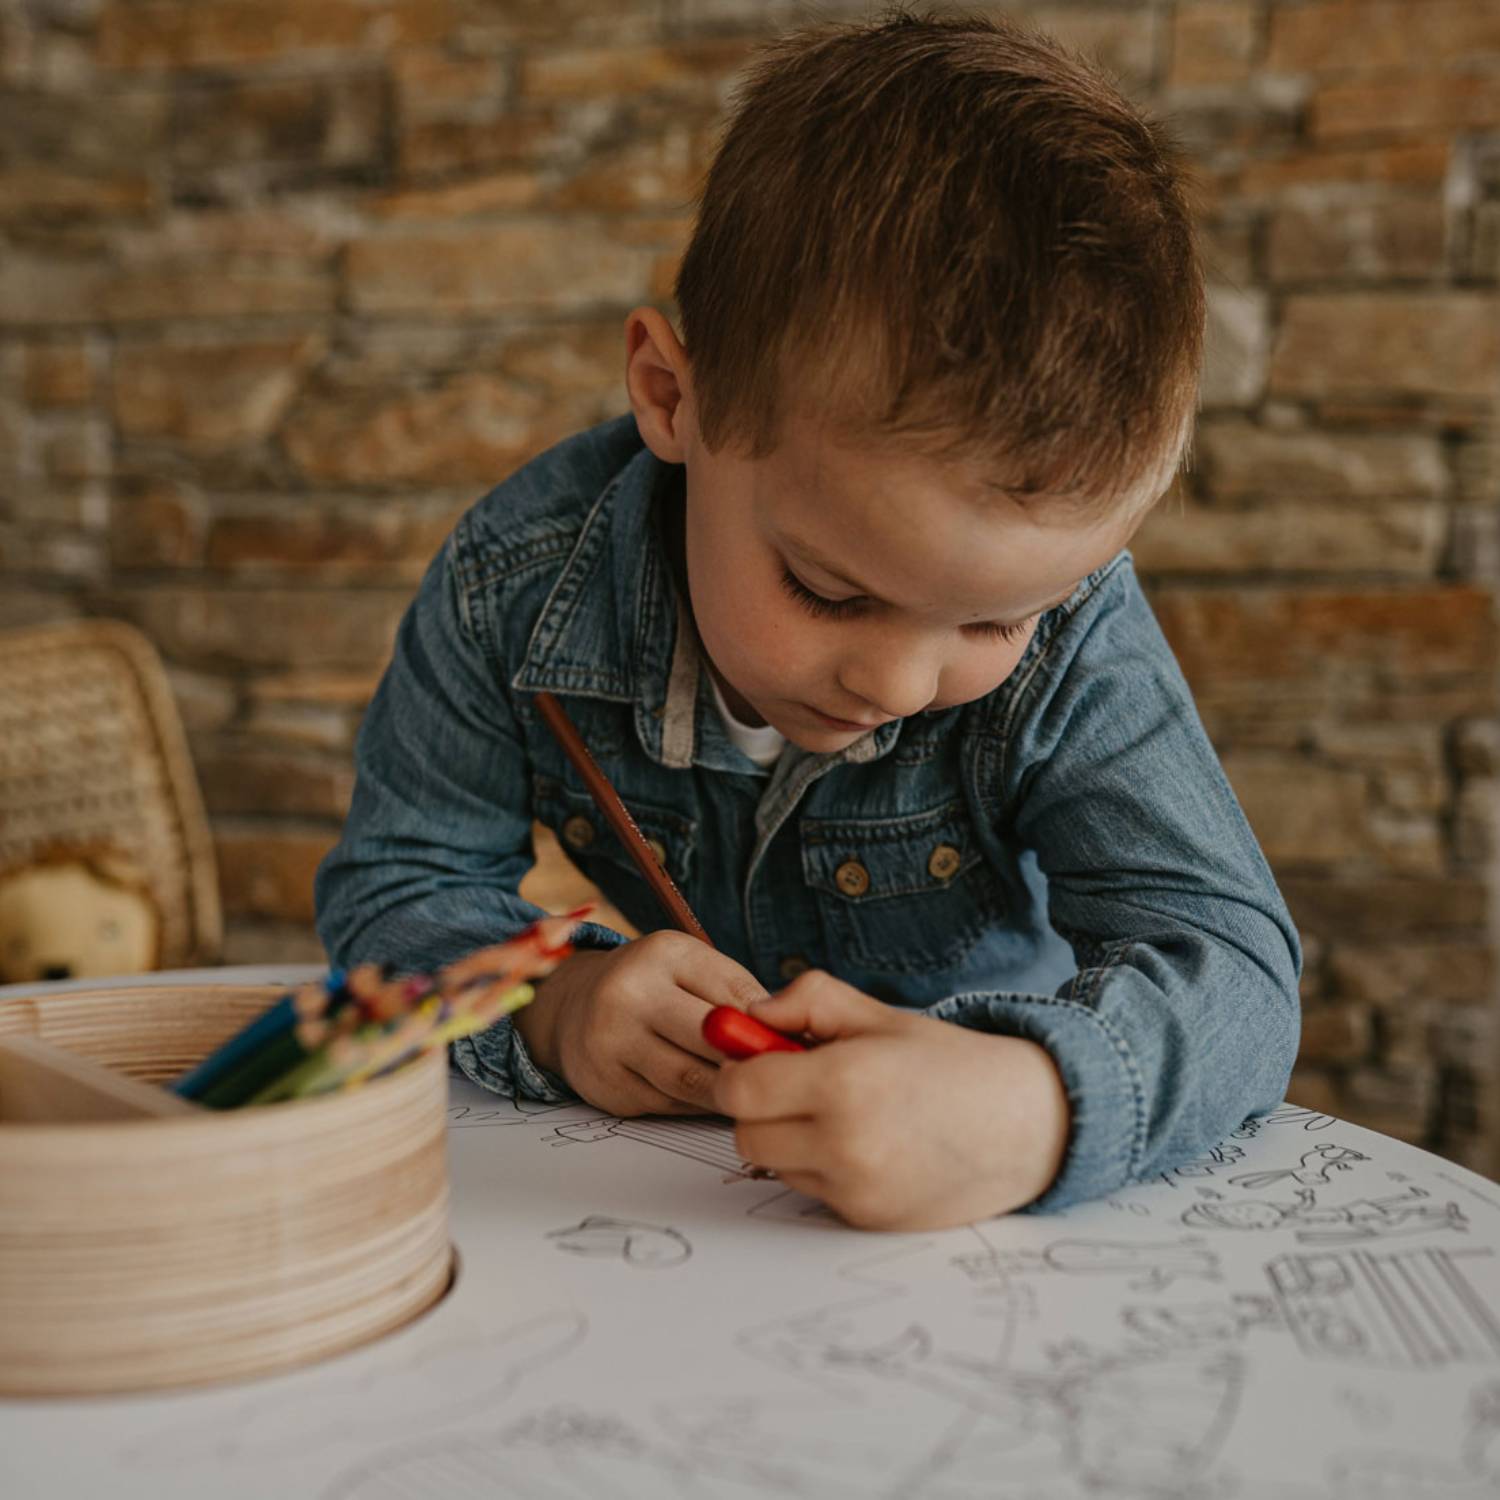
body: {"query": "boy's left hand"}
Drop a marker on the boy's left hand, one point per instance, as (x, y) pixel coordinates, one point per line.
(907, 1122)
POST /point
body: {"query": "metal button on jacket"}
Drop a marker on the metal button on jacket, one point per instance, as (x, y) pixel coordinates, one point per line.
(852, 878)
(578, 832)
(943, 862)
(791, 966)
(659, 849)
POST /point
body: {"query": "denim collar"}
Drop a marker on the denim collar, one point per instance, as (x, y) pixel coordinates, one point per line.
(615, 627)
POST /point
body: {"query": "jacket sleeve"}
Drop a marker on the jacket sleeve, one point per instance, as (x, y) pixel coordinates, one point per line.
(438, 834)
(1183, 1018)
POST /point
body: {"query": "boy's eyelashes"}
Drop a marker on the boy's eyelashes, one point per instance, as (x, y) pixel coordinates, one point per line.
(837, 609)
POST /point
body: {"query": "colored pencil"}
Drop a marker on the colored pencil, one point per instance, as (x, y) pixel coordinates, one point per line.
(607, 800)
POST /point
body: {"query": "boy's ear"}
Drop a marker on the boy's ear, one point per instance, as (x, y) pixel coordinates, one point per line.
(659, 384)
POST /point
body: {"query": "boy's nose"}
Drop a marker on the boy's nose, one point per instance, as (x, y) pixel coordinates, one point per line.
(894, 687)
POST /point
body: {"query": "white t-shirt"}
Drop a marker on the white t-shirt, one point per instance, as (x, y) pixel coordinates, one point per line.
(761, 743)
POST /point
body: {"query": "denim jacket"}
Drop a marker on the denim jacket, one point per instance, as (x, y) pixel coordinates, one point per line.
(933, 863)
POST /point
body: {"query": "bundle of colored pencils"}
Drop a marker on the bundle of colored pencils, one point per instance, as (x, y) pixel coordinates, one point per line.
(341, 1031)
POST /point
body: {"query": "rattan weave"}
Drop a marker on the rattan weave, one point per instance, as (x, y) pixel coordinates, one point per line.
(92, 752)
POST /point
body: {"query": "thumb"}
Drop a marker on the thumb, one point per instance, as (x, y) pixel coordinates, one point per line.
(820, 1006)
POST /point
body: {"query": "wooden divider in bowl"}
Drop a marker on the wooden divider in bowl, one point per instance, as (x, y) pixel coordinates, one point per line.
(150, 1253)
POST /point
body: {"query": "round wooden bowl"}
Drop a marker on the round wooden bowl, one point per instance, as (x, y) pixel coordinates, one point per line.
(148, 1253)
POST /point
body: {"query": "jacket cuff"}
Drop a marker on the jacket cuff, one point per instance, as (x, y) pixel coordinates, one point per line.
(1106, 1096)
(496, 1058)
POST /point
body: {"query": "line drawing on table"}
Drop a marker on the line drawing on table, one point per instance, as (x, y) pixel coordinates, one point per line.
(1407, 1309)
(1472, 1474)
(1146, 1421)
(1410, 1212)
(643, 1246)
(1313, 1169)
(1155, 1266)
(795, 1208)
(1206, 1165)
(497, 1110)
(1469, 1188)
(708, 1141)
(1199, 1323)
(1294, 1114)
(459, 1377)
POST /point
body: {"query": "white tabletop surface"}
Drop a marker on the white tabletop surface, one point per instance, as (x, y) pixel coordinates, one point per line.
(1308, 1310)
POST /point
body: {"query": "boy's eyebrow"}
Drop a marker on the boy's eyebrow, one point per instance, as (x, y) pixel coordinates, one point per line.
(812, 555)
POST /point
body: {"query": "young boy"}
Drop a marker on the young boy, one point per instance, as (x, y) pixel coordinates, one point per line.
(841, 609)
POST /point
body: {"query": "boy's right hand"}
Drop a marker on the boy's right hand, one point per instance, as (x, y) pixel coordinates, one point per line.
(623, 1026)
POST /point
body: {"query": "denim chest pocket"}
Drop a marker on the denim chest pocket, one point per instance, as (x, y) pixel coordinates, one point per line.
(585, 833)
(904, 895)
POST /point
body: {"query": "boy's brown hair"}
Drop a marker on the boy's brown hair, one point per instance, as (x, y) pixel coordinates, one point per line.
(952, 234)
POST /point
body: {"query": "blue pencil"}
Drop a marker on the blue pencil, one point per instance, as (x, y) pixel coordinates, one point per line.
(271, 1023)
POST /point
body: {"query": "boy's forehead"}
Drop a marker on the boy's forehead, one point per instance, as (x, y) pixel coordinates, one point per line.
(913, 532)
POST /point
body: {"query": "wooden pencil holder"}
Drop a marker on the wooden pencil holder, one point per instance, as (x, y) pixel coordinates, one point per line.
(138, 1252)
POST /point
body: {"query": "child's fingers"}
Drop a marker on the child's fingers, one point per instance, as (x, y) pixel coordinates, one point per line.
(821, 1006)
(648, 1099)
(679, 1074)
(713, 977)
(678, 1020)
(774, 1086)
(782, 1145)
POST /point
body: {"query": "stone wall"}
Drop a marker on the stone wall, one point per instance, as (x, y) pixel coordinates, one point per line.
(285, 284)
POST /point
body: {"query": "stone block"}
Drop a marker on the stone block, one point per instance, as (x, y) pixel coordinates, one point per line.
(1213, 42)
(502, 268)
(1476, 823)
(1393, 1100)
(1334, 1034)
(352, 690)
(1240, 460)
(186, 34)
(205, 700)
(471, 430)
(76, 445)
(302, 724)
(496, 26)
(34, 194)
(1299, 170)
(1380, 908)
(288, 536)
(209, 624)
(1476, 747)
(1280, 635)
(239, 776)
(462, 147)
(1124, 40)
(255, 130)
(1325, 823)
(656, 173)
(1383, 973)
(268, 872)
(156, 522)
(1344, 36)
(1293, 537)
(206, 395)
(1390, 239)
(1412, 104)
(38, 291)
(1236, 344)
(62, 373)
(696, 72)
(252, 942)
(494, 193)
(1377, 343)
(222, 287)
